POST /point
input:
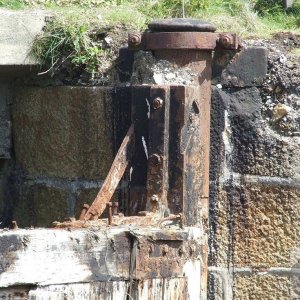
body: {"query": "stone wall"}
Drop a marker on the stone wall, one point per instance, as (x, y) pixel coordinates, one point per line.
(57, 143)
(255, 187)
(64, 142)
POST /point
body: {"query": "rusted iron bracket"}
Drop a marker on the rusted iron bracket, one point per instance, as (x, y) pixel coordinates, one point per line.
(169, 140)
(113, 178)
(163, 256)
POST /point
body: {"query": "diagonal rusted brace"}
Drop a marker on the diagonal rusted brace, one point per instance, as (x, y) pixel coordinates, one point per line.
(113, 178)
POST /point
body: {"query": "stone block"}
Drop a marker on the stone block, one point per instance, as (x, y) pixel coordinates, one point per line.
(257, 226)
(217, 126)
(17, 32)
(266, 287)
(64, 132)
(255, 148)
(243, 69)
(39, 206)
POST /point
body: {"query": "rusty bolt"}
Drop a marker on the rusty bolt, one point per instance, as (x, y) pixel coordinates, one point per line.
(109, 206)
(226, 40)
(154, 203)
(115, 206)
(85, 208)
(14, 225)
(157, 103)
(154, 198)
(155, 159)
(165, 249)
(134, 39)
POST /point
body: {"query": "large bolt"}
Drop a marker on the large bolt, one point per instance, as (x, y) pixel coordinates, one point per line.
(226, 40)
(157, 103)
(109, 206)
(154, 198)
(115, 207)
(134, 39)
(85, 208)
(154, 203)
(155, 159)
(14, 225)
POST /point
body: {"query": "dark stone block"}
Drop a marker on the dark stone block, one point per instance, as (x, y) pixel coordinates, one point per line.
(243, 69)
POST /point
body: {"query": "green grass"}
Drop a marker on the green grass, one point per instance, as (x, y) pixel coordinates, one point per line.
(73, 34)
(12, 4)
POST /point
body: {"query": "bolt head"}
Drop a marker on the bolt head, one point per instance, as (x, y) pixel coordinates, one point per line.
(134, 39)
(154, 198)
(155, 159)
(157, 103)
(226, 40)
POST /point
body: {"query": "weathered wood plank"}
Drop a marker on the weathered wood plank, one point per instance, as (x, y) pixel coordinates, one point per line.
(44, 256)
(152, 289)
(86, 263)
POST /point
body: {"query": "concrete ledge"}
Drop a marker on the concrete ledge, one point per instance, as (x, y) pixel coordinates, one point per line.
(17, 32)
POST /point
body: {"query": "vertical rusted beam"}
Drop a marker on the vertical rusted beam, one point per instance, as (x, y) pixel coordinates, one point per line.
(189, 154)
(158, 149)
(138, 171)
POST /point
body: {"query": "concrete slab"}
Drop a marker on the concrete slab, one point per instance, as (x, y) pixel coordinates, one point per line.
(17, 32)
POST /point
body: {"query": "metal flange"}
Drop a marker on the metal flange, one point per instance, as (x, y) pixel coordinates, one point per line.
(182, 34)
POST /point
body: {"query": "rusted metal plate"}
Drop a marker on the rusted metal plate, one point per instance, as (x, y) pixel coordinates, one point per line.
(179, 40)
(189, 153)
(158, 148)
(181, 24)
(176, 157)
(164, 258)
(114, 176)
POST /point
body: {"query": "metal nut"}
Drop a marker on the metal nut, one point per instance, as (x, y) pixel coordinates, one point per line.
(134, 39)
(225, 40)
(154, 198)
(155, 159)
(157, 103)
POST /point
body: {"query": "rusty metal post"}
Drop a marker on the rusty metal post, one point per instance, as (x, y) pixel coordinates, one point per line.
(184, 167)
(179, 120)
